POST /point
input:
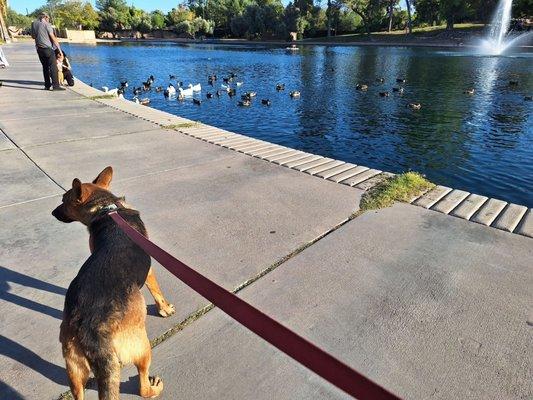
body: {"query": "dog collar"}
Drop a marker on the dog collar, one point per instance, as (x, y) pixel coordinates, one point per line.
(108, 208)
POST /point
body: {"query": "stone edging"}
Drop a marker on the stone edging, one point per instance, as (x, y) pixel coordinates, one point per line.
(495, 213)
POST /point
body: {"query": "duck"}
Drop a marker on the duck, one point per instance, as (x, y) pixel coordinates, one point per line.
(123, 84)
(239, 83)
(195, 88)
(294, 94)
(398, 90)
(218, 93)
(105, 89)
(248, 95)
(186, 92)
(143, 102)
(380, 80)
(120, 93)
(528, 98)
(361, 87)
(180, 97)
(400, 80)
(384, 94)
(226, 80)
(151, 79)
(197, 101)
(470, 91)
(513, 83)
(232, 75)
(147, 86)
(209, 95)
(414, 106)
(225, 87)
(137, 91)
(112, 92)
(211, 79)
(171, 77)
(170, 91)
(159, 89)
(266, 102)
(232, 92)
(245, 103)
(280, 87)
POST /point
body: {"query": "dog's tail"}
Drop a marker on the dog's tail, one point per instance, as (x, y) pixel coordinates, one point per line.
(97, 344)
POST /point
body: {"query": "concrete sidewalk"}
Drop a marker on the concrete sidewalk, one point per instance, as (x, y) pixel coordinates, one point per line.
(426, 304)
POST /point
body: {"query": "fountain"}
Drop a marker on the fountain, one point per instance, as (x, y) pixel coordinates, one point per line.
(498, 39)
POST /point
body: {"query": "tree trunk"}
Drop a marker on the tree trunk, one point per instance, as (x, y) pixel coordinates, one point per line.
(4, 34)
(409, 23)
(449, 22)
(391, 14)
(329, 18)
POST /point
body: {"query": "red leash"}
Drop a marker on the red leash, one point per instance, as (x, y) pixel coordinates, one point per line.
(295, 346)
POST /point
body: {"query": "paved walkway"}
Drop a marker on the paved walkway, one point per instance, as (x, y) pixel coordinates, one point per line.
(428, 305)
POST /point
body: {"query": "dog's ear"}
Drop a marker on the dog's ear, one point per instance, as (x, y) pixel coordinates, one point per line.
(76, 189)
(104, 178)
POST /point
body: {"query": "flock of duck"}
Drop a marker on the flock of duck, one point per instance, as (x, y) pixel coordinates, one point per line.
(230, 84)
(178, 91)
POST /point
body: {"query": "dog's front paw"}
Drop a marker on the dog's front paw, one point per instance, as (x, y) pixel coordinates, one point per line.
(166, 309)
(156, 387)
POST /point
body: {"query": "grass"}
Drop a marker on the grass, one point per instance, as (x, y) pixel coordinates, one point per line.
(397, 188)
(181, 125)
(103, 96)
(399, 35)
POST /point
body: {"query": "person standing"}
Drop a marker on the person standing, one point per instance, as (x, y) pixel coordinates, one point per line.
(45, 40)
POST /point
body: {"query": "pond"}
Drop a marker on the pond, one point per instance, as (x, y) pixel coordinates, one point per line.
(482, 143)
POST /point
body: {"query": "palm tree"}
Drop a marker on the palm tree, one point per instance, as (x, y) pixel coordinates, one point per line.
(409, 23)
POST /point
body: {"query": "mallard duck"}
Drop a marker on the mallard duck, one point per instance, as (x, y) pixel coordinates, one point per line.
(400, 80)
(245, 103)
(294, 94)
(414, 106)
(384, 94)
(470, 91)
(266, 102)
(361, 87)
(280, 86)
(197, 102)
(398, 90)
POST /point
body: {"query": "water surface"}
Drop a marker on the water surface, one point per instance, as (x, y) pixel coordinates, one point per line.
(481, 143)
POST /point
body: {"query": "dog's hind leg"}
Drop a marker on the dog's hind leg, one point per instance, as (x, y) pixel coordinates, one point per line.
(149, 386)
(78, 369)
(164, 308)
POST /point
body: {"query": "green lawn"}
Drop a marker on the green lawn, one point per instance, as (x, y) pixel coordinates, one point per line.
(400, 35)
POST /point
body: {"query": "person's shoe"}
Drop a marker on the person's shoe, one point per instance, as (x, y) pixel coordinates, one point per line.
(48, 88)
(59, 88)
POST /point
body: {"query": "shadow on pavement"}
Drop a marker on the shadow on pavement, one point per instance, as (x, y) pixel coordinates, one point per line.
(7, 275)
(23, 82)
(21, 354)
(7, 392)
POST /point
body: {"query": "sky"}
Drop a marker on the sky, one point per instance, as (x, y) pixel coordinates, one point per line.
(149, 5)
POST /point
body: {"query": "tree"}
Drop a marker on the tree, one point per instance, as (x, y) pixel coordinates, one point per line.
(180, 14)
(4, 34)
(114, 15)
(370, 11)
(427, 11)
(17, 20)
(157, 19)
(75, 15)
(140, 20)
(452, 10)
(409, 19)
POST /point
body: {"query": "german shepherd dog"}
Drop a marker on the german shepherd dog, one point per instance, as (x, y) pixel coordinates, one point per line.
(104, 316)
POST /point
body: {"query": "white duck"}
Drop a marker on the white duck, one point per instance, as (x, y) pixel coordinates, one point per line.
(225, 87)
(170, 91)
(196, 88)
(186, 92)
